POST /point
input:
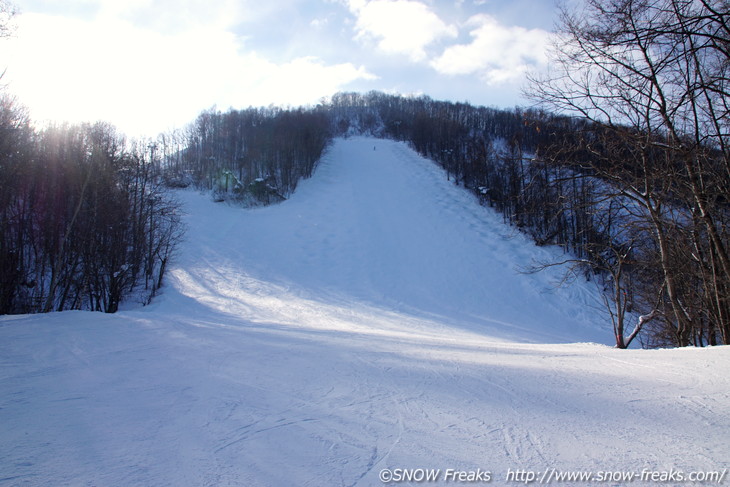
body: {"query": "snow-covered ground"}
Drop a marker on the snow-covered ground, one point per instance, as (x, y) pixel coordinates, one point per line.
(376, 321)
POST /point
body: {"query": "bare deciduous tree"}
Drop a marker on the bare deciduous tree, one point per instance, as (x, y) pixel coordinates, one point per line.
(653, 76)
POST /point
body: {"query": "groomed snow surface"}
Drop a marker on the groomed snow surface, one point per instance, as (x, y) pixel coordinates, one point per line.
(376, 320)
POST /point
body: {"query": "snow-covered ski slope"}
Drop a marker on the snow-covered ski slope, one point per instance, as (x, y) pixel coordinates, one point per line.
(377, 320)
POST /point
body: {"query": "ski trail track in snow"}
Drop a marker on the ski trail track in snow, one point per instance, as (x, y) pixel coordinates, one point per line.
(375, 320)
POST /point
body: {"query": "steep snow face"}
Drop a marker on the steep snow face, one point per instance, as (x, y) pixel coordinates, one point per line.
(373, 322)
(379, 225)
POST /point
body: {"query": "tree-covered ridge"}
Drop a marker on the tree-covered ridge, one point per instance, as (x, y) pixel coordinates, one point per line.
(256, 156)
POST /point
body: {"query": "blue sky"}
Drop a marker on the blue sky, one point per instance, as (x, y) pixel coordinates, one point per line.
(151, 65)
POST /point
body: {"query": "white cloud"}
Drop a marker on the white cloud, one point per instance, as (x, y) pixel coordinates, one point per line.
(319, 23)
(145, 81)
(400, 26)
(299, 82)
(497, 53)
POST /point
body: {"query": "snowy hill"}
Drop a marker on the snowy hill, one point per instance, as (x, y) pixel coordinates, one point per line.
(376, 321)
(379, 225)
